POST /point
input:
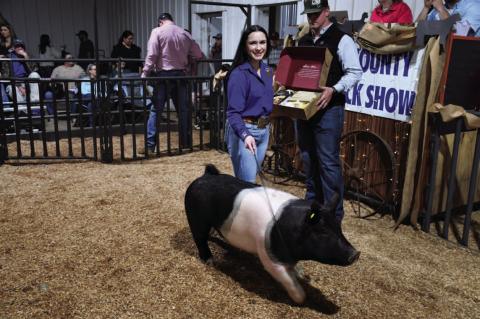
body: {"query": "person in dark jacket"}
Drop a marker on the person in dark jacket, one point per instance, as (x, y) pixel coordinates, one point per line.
(125, 48)
(319, 137)
(86, 50)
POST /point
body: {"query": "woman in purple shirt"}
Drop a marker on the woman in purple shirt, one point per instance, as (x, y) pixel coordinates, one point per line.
(250, 102)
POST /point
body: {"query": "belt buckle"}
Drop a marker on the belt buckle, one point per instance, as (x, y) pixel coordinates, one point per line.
(263, 122)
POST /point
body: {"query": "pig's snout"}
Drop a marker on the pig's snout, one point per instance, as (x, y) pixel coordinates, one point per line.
(353, 257)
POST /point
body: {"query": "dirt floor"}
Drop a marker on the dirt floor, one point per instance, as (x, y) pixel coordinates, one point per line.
(93, 240)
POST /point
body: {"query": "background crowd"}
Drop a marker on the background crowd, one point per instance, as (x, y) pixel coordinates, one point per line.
(387, 11)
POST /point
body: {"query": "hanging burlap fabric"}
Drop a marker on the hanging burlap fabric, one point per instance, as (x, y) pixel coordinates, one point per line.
(387, 38)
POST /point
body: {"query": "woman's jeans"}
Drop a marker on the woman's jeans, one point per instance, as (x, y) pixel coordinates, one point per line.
(243, 161)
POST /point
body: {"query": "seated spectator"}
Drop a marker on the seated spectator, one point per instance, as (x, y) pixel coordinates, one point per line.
(47, 52)
(69, 70)
(469, 11)
(435, 10)
(86, 91)
(7, 35)
(21, 69)
(392, 11)
(125, 48)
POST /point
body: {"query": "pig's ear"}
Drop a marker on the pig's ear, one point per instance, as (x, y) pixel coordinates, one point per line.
(314, 214)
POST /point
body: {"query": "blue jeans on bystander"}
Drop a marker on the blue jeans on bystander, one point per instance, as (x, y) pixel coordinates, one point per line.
(177, 90)
(319, 143)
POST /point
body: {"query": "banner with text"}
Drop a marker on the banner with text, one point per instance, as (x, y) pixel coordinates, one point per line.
(388, 86)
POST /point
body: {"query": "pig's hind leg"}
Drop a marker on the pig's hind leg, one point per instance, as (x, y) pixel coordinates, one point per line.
(200, 229)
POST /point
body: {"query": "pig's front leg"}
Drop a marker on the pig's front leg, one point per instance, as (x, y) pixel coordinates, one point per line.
(284, 275)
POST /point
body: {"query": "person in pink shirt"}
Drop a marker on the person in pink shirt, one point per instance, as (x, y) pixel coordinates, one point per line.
(169, 51)
(392, 11)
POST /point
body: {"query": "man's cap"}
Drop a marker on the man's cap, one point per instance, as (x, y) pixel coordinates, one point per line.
(165, 16)
(18, 43)
(217, 36)
(312, 6)
(82, 32)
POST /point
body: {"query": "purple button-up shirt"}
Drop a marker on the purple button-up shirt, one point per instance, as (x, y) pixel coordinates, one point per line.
(249, 95)
(169, 48)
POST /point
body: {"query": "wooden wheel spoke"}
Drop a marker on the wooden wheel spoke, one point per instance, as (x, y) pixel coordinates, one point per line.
(368, 166)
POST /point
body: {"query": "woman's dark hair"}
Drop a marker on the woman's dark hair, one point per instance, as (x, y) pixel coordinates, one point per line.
(44, 43)
(125, 34)
(241, 56)
(12, 33)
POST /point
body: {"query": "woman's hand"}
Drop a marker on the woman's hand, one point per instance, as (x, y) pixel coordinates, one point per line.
(250, 144)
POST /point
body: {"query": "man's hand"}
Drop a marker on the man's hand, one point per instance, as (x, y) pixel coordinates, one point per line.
(143, 75)
(325, 98)
(250, 144)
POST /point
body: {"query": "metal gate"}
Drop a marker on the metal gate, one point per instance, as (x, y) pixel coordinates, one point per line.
(110, 124)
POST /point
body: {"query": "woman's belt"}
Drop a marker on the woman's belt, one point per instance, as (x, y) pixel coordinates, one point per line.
(260, 122)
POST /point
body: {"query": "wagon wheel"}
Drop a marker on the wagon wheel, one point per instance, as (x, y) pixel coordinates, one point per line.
(368, 169)
(278, 164)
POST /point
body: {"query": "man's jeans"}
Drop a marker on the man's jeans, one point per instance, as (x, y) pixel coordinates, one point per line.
(319, 143)
(177, 90)
(243, 161)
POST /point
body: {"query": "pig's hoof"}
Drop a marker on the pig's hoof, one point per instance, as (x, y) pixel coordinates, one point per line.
(209, 262)
(298, 297)
(301, 275)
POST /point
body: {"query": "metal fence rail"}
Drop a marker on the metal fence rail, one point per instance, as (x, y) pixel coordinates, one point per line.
(444, 221)
(108, 123)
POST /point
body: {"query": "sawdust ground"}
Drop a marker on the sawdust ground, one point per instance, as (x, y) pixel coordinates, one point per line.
(92, 240)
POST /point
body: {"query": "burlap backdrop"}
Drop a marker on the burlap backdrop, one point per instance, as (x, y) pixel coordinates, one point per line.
(418, 164)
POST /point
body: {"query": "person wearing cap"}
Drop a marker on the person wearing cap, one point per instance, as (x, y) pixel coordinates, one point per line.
(86, 49)
(20, 66)
(168, 51)
(216, 52)
(392, 11)
(319, 137)
(274, 56)
(21, 69)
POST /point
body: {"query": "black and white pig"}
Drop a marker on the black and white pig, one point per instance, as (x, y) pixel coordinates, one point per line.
(243, 214)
